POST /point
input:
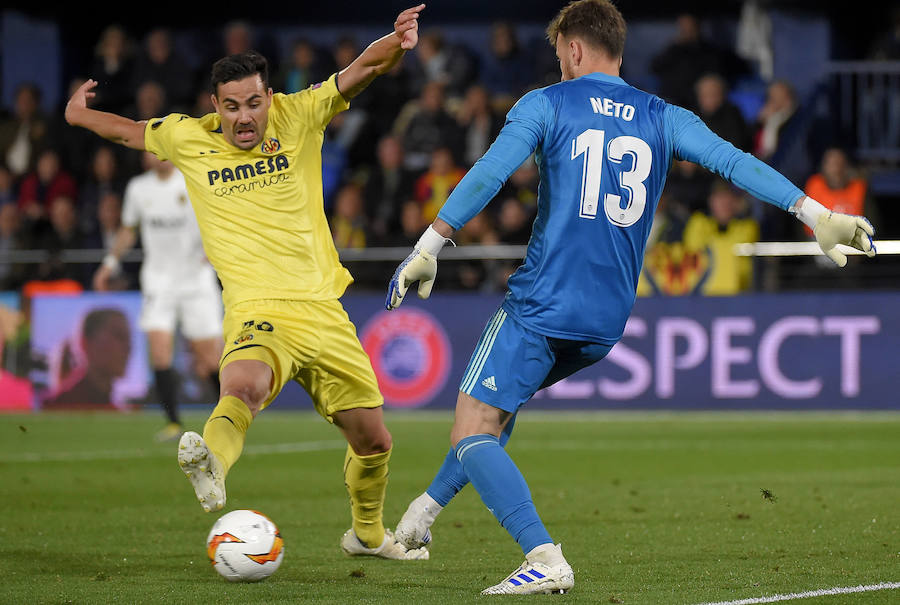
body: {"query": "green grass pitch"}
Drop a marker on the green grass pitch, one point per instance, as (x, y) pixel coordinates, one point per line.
(650, 509)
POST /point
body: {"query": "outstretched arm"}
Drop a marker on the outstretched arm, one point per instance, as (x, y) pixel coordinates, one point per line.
(110, 126)
(695, 142)
(517, 140)
(382, 54)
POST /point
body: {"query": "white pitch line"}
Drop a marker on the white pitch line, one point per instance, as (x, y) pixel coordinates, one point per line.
(99, 455)
(812, 593)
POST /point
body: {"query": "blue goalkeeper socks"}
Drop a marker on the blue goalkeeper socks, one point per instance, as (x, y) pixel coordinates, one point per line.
(502, 489)
(451, 477)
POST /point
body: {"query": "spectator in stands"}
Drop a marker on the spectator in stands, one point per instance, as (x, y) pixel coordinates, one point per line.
(424, 125)
(7, 188)
(721, 115)
(12, 275)
(716, 234)
(24, 134)
(63, 234)
(76, 146)
(887, 45)
(523, 185)
(159, 62)
(411, 224)
(506, 71)
(881, 104)
(348, 221)
(202, 104)
(105, 347)
(776, 114)
(237, 37)
(347, 128)
(113, 66)
(109, 220)
(686, 59)
(448, 65)
(478, 274)
(47, 182)
(687, 187)
(514, 221)
(344, 52)
(103, 178)
(479, 123)
(387, 94)
(669, 269)
(838, 187)
(433, 187)
(387, 187)
(149, 101)
(301, 70)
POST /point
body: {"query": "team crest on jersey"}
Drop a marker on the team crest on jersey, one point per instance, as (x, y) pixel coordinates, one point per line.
(270, 145)
(243, 338)
(182, 199)
(410, 353)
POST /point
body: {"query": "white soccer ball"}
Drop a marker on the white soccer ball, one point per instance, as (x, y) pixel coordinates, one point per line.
(245, 546)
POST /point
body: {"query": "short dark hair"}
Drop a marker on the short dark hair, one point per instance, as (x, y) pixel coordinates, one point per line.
(96, 319)
(239, 66)
(597, 22)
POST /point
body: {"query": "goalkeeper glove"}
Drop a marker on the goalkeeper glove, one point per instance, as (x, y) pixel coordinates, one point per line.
(833, 228)
(420, 266)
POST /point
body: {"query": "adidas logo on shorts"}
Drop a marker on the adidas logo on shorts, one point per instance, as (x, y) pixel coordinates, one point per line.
(489, 383)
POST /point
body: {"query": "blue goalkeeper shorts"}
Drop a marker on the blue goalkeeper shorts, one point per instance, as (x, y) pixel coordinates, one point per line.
(511, 362)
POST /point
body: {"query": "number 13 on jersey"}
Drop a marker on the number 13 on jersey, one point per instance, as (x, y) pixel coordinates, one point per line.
(590, 144)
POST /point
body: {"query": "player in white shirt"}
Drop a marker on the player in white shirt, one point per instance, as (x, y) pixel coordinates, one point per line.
(178, 284)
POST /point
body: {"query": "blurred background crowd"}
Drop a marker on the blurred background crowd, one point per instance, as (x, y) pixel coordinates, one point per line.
(394, 157)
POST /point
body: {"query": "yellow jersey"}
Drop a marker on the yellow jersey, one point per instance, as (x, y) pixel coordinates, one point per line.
(729, 274)
(260, 211)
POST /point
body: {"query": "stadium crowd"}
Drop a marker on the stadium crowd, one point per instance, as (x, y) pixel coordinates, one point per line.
(392, 159)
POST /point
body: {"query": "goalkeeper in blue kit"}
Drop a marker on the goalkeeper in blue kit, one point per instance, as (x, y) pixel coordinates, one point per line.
(603, 149)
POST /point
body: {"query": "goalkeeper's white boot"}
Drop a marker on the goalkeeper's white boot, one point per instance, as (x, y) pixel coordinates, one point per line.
(204, 471)
(414, 529)
(544, 571)
(389, 549)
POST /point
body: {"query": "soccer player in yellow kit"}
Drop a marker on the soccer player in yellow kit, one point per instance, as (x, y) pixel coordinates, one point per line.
(254, 175)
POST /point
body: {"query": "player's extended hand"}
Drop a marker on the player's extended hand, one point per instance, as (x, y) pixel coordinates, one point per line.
(407, 27)
(420, 266)
(79, 101)
(833, 228)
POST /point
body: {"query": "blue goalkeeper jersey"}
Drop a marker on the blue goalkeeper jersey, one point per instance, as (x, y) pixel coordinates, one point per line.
(603, 149)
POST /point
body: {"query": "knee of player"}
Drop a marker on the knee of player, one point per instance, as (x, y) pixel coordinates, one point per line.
(253, 395)
(373, 442)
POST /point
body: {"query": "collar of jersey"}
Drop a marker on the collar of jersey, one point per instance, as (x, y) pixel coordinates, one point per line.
(605, 78)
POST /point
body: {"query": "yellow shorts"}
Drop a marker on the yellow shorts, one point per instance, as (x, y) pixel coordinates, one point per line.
(311, 342)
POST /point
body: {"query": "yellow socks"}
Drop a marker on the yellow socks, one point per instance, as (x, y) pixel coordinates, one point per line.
(366, 481)
(226, 428)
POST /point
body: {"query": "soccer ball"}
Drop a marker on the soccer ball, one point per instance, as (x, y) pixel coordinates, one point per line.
(245, 546)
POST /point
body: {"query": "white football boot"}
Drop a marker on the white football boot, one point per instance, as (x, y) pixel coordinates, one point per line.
(204, 471)
(414, 529)
(544, 571)
(389, 549)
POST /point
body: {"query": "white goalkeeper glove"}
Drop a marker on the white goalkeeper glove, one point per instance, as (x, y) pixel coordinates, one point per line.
(833, 228)
(420, 266)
